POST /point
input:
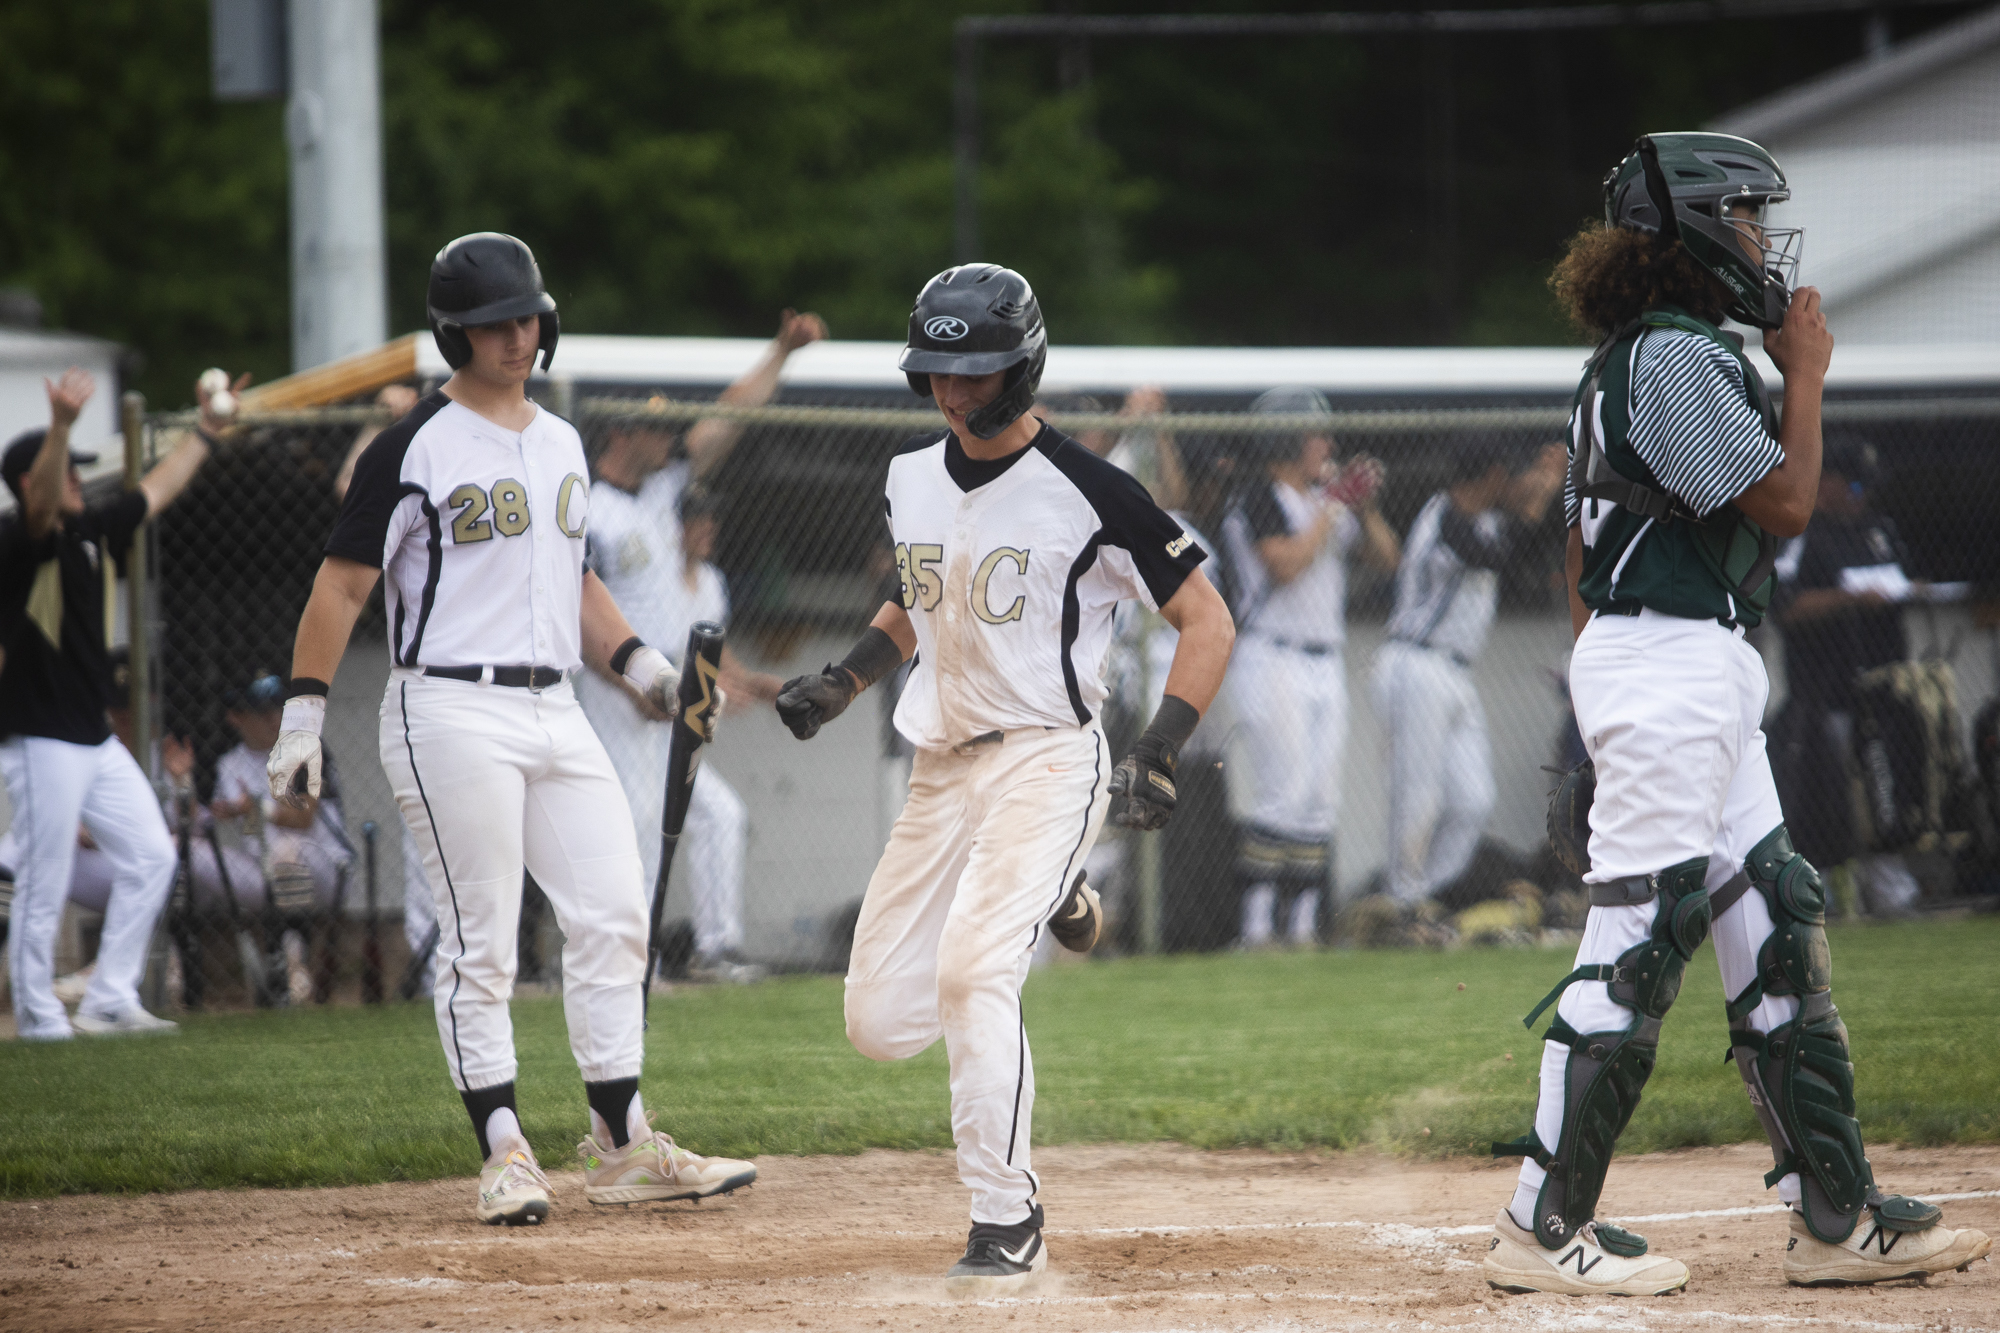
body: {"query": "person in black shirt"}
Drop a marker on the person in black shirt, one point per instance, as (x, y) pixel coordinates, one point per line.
(1838, 605)
(61, 763)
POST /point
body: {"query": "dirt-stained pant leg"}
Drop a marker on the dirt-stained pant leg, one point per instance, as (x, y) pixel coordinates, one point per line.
(982, 855)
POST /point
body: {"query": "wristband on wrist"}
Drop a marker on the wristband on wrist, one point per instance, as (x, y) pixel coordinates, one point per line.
(624, 653)
(1172, 724)
(873, 656)
(304, 685)
(305, 713)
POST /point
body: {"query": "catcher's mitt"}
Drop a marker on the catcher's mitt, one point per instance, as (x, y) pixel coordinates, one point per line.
(1569, 817)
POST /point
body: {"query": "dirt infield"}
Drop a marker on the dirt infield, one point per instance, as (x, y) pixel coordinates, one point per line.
(1140, 1238)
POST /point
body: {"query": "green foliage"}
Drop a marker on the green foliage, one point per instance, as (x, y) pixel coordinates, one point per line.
(1315, 1050)
(692, 166)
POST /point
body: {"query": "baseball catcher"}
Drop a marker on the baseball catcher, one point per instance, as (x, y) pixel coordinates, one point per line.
(1683, 477)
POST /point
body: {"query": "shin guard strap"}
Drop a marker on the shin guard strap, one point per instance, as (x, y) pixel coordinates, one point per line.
(1593, 972)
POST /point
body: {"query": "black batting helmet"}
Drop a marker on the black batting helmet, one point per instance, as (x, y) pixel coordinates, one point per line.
(973, 320)
(482, 279)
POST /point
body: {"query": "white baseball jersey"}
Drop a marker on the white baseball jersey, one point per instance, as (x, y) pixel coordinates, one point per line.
(479, 533)
(1312, 608)
(1011, 570)
(635, 548)
(1448, 585)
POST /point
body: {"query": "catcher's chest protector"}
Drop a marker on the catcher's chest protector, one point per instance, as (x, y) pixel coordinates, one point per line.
(1643, 547)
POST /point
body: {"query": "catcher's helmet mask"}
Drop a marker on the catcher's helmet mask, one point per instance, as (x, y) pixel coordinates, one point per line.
(975, 319)
(481, 279)
(1712, 193)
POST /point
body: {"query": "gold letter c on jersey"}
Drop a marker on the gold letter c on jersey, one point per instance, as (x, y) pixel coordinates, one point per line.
(983, 608)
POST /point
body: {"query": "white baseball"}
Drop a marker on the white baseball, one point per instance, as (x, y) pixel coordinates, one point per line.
(214, 386)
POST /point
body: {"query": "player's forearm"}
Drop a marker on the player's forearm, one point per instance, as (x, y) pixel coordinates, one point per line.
(340, 590)
(1579, 614)
(171, 474)
(1782, 501)
(41, 496)
(1207, 636)
(1385, 551)
(709, 442)
(604, 627)
(894, 621)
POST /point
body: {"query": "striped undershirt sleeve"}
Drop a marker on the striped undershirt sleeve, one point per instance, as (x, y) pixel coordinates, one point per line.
(1572, 506)
(1693, 422)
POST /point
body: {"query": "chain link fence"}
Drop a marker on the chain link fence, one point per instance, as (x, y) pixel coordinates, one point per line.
(800, 541)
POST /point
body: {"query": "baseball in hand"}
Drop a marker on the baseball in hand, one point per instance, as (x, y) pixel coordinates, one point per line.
(214, 387)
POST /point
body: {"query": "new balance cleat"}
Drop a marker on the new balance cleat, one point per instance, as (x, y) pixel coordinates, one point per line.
(1587, 1265)
(999, 1260)
(655, 1169)
(513, 1191)
(1080, 919)
(1899, 1239)
(132, 1022)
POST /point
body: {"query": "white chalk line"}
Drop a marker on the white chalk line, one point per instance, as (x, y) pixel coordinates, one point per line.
(1438, 1232)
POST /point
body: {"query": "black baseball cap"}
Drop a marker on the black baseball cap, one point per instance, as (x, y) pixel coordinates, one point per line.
(20, 456)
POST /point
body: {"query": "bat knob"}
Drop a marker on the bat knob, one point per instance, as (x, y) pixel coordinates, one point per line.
(368, 828)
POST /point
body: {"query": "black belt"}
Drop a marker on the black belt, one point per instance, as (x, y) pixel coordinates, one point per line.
(1634, 608)
(1309, 649)
(1459, 658)
(515, 677)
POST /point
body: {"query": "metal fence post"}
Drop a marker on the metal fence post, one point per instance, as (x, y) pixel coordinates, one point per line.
(140, 640)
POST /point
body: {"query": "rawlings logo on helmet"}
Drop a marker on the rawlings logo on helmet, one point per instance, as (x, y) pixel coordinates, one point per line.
(945, 328)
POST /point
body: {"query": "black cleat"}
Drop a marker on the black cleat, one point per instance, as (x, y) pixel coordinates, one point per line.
(1078, 922)
(1000, 1260)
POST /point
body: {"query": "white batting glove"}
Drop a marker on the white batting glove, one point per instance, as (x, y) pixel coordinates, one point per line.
(294, 767)
(656, 679)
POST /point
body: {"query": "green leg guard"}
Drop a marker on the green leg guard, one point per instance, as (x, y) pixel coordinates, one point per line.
(1608, 1070)
(1798, 1075)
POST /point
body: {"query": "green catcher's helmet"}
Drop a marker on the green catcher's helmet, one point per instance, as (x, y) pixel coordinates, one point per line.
(1720, 188)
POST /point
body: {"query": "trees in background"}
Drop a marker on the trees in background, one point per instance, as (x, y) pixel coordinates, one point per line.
(690, 166)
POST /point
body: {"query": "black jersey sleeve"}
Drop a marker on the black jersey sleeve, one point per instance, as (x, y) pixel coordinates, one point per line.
(113, 522)
(361, 530)
(1461, 534)
(1162, 552)
(1264, 514)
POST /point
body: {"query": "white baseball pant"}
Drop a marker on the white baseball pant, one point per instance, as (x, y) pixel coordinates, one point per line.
(1292, 709)
(54, 786)
(490, 778)
(709, 859)
(1671, 712)
(983, 852)
(1440, 767)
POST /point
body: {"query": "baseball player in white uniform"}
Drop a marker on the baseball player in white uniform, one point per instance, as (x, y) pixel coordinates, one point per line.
(1288, 544)
(1015, 544)
(1683, 479)
(1447, 590)
(653, 527)
(475, 507)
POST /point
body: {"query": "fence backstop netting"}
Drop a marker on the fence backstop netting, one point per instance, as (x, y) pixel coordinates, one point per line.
(779, 510)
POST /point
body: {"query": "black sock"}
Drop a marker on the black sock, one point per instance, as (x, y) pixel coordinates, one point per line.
(612, 1100)
(481, 1104)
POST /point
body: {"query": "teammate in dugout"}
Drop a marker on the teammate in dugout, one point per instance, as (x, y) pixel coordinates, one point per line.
(1683, 477)
(1015, 544)
(475, 506)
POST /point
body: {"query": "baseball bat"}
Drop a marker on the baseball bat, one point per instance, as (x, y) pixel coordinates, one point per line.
(371, 930)
(182, 923)
(246, 947)
(327, 970)
(694, 728)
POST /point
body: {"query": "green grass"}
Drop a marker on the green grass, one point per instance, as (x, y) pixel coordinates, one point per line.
(1287, 1051)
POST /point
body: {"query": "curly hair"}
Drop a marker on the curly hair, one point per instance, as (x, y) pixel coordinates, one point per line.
(1610, 275)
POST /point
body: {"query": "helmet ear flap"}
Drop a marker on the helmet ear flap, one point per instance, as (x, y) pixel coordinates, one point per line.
(920, 383)
(1017, 395)
(452, 344)
(551, 329)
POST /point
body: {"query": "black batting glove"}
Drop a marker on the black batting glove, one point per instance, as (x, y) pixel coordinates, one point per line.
(1146, 780)
(806, 703)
